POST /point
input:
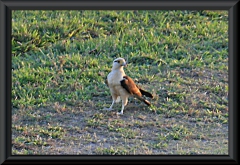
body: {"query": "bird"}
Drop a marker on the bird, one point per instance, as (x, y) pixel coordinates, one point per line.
(122, 86)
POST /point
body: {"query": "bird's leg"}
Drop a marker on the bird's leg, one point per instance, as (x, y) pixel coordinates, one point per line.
(124, 103)
(121, 113)
(112, 105)
(110, 108)
(114, 98)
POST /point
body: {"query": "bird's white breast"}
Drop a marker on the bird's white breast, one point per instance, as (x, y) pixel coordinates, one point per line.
(114, 77)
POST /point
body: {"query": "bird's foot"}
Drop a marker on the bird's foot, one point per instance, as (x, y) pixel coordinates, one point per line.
(119, 113)
(107, 109)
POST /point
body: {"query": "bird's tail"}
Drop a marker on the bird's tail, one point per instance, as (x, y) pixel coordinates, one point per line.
(143, 100)
(146, 93)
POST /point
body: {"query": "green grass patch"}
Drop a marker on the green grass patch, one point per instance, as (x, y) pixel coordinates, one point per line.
(60, 60)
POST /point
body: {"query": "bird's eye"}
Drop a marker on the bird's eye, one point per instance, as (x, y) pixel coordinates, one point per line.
(117, 61)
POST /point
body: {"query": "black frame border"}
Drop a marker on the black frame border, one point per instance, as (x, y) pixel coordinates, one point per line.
(6, 6)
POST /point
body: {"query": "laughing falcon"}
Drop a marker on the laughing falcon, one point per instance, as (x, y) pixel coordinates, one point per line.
(122, 86)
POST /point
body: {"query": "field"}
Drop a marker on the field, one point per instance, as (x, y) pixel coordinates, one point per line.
(60, 60)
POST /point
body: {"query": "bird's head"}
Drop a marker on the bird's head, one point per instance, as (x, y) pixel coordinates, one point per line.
(119, 62)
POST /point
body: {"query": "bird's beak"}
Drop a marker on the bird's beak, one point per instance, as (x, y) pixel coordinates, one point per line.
(124, 64)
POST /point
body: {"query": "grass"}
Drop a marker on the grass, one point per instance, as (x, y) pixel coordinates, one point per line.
(59, 63)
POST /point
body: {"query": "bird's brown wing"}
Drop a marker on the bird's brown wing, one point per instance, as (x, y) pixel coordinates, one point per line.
(128, 84)
(145, 92)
